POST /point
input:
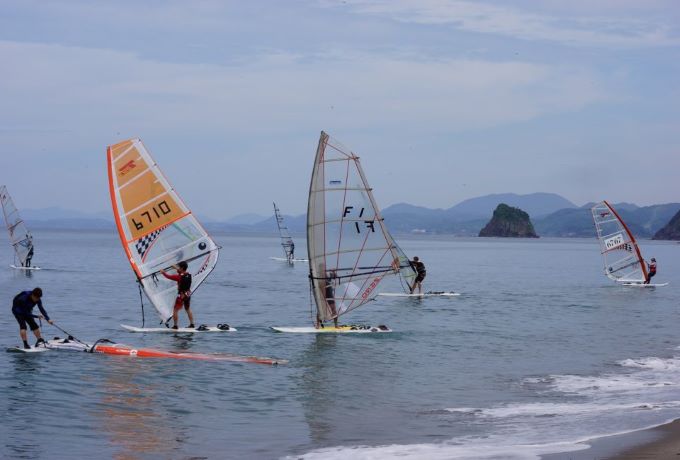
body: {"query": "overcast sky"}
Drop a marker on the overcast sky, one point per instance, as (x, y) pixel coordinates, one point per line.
(443, 100)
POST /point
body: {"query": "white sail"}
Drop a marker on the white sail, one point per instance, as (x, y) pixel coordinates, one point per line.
(156, 228)
(350, 250)
(623, 261)
(19, 236)
(407, 273)
(286, 240)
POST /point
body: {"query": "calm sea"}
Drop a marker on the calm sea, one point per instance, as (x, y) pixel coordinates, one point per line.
(540, 353)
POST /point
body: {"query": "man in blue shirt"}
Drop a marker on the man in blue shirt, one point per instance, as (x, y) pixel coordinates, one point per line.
(22, 308)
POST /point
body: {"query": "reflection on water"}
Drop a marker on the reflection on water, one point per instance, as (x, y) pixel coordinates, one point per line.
(22, 396)
(316, 384)
(131, 414)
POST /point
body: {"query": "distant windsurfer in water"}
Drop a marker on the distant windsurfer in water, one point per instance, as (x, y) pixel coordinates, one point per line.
(651, 270)
(183, 279)
(329, 292)
(419, 267)
(291, 256)
(22, 308)
(29, 256)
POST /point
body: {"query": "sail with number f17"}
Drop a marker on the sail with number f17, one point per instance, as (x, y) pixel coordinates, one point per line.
(156, 228)
(350, 249)
(19, 236)
(623, 261)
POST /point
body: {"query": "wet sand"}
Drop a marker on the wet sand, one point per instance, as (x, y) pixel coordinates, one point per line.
(659, 443)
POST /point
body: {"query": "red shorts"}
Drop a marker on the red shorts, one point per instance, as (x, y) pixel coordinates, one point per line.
(183, 298)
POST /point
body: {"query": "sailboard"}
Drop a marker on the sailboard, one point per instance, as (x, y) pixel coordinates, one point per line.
(422, 294)
(157, 230)
(106, 347)
(623, 262)
(169, 330)
(287, 243)
(19, 236)
(350, 250)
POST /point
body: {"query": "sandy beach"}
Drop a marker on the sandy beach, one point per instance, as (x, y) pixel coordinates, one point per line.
(658, 443)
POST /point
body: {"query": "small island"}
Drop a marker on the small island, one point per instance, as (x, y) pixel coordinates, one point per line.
(509, 222)
(671, 231)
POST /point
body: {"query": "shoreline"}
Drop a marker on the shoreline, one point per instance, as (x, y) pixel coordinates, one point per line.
(658, 443)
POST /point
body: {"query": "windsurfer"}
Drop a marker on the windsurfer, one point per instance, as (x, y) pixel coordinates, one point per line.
(329, 291)
(22, 308)
(183, 279)
(651, 270)
(419, 267)
(292, 251)
(29, 256)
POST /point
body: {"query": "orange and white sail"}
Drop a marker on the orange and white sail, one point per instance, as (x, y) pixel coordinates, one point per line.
(156, 228)
(623, 261)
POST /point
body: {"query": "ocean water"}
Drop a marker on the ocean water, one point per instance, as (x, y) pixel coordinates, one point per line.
(539, 354)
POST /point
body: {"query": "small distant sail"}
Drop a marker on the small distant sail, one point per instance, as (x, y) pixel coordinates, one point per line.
(350, 250)
(623, 261)
(286, 240)
(156, 228)
(19, 236)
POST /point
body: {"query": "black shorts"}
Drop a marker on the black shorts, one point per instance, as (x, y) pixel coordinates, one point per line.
(420, 277)
(26, 320)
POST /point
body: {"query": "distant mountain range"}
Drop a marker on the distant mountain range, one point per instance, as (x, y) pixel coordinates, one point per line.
(551, 214)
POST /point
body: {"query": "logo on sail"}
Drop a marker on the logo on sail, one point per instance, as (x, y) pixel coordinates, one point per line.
(127, 167)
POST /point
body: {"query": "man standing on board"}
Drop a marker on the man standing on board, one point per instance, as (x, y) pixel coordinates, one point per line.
(183, 279)
(329, 293)
(419, 267)
(651, 270)
(22, 308)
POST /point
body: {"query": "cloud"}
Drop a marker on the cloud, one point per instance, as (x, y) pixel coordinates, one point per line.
(487, 18)
(57, 87)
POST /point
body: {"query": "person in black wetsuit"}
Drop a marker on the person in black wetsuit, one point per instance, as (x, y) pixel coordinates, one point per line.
(292, 251)
(329, 293)
(419, 267)
(651, 270)
(29, 256)
(183, 279)
(22, 308)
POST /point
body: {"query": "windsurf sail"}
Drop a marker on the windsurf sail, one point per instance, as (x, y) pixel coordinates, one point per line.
(156, 228)
(350, 250)
(623, 261)
(19, 236)
(286, 240)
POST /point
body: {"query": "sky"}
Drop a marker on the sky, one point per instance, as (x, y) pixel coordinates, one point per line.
(443, 100)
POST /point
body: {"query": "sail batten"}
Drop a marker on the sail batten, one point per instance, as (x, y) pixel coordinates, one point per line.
(156, 228)
(350, 250)
(622, 258)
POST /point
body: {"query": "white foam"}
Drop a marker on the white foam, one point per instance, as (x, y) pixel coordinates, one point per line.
(644, 394)
(482, 449)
